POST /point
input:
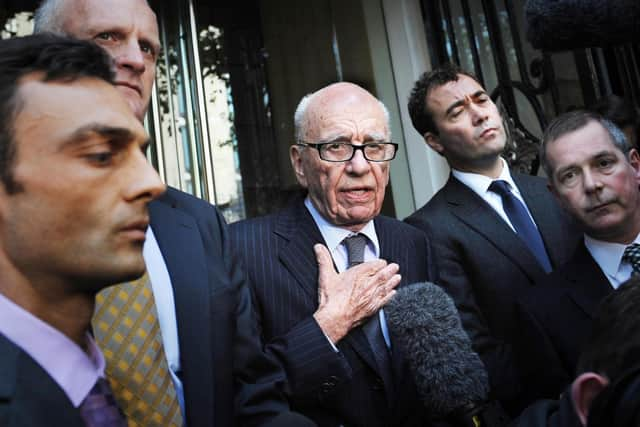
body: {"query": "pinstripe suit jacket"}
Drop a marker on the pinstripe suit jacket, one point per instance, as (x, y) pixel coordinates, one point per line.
(332, 388)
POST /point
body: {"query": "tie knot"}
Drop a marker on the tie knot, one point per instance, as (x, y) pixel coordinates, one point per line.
(99, 408)
(355, 248)
(632, 256)
(500, 187)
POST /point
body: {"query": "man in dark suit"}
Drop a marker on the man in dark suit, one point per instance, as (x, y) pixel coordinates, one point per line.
(605, 391)
(594, 173)
(494, 233)
(203, 307)
(73, 213)
(326, 327)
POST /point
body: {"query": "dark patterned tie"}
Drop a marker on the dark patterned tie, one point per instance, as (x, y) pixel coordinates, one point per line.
(355, 254)
(632, 256)
(99, 408)
(521, 221)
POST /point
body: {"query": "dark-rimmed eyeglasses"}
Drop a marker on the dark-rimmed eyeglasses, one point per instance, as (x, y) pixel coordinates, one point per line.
(344, 151)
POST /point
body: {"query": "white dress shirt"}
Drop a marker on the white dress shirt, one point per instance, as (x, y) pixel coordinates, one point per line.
(609, 257)
(479, 184)
(165, 305)
(333, 237)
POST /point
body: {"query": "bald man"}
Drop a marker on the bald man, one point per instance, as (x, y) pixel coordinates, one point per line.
(326, 326)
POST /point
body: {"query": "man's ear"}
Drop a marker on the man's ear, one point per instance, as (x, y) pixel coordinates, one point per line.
(433, 141)
(295, 155)
(634, 161)
(584, 389)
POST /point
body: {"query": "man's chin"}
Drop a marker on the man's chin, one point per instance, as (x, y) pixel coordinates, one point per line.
(134, 101)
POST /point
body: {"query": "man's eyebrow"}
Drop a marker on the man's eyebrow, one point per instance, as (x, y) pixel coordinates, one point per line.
(112, 133)
(463, 101)
(368, 137)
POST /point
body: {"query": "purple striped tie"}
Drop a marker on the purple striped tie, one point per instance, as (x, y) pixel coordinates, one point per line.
(99, 408)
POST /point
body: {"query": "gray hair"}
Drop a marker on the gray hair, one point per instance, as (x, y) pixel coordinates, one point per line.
(47, 17)
(301, 112)
(572, 121)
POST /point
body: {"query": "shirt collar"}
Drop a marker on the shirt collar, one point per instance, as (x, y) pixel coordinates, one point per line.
(608, 255)
(480, 183)
(75, 371)
(333, 235)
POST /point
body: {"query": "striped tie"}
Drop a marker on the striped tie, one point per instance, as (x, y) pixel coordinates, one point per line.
(127, 330)
(99, 408)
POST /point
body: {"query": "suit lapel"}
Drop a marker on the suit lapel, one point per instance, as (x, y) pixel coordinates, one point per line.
(36, 399)
(300, 231)
(181, 246)
(477, 214)
(589, 285)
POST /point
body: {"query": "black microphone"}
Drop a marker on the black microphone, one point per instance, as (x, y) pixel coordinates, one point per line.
(450, 377)
(570, 24)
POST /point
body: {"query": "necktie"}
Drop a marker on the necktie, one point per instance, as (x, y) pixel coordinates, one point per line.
(126, 328)
(632, 256)
(99, 408)
(355, 254)
(521, 221)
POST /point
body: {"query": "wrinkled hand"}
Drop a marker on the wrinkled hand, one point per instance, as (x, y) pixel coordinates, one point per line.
(348, 298)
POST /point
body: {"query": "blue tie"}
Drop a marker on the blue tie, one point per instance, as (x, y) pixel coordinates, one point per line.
(521, 221)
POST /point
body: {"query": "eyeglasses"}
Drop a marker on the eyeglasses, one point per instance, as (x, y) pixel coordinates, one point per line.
(344, 151)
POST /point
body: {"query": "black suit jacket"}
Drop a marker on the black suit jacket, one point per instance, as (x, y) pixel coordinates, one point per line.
(554, 324)
(29, 397)
(484, 266)
(223, 366)
(332, 388)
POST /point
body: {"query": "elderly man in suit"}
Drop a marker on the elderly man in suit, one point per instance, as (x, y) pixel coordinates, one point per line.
(594, 173)
(494, 232)
(207, 359)
(73, 213)
(326, 327)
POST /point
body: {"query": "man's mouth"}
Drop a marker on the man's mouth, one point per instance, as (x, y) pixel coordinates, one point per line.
(488, 131)
(137, 229)
(131, 86)
(599, 206)
(357, 193)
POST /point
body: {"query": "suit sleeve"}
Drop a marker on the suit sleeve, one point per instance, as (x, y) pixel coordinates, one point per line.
(312, 365)
(258, 380)
(456, 277)
(536, 353)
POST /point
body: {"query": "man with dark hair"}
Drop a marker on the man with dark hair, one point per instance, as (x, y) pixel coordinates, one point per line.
(494, 232)
(206, 357)
(73, 213)
(594, 174)
(326, 326)
(606, 391)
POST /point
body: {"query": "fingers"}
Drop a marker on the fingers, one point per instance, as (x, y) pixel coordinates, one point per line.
(325, 263)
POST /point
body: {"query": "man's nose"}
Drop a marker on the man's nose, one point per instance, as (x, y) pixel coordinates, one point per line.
(591, 181)
(130, 56)
(358, 165)
(478, 114)
(144, 181)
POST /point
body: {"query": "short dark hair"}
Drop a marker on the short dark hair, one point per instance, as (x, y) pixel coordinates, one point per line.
(420, 116)
(614, 344)
(58, 59)
(572, 121)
